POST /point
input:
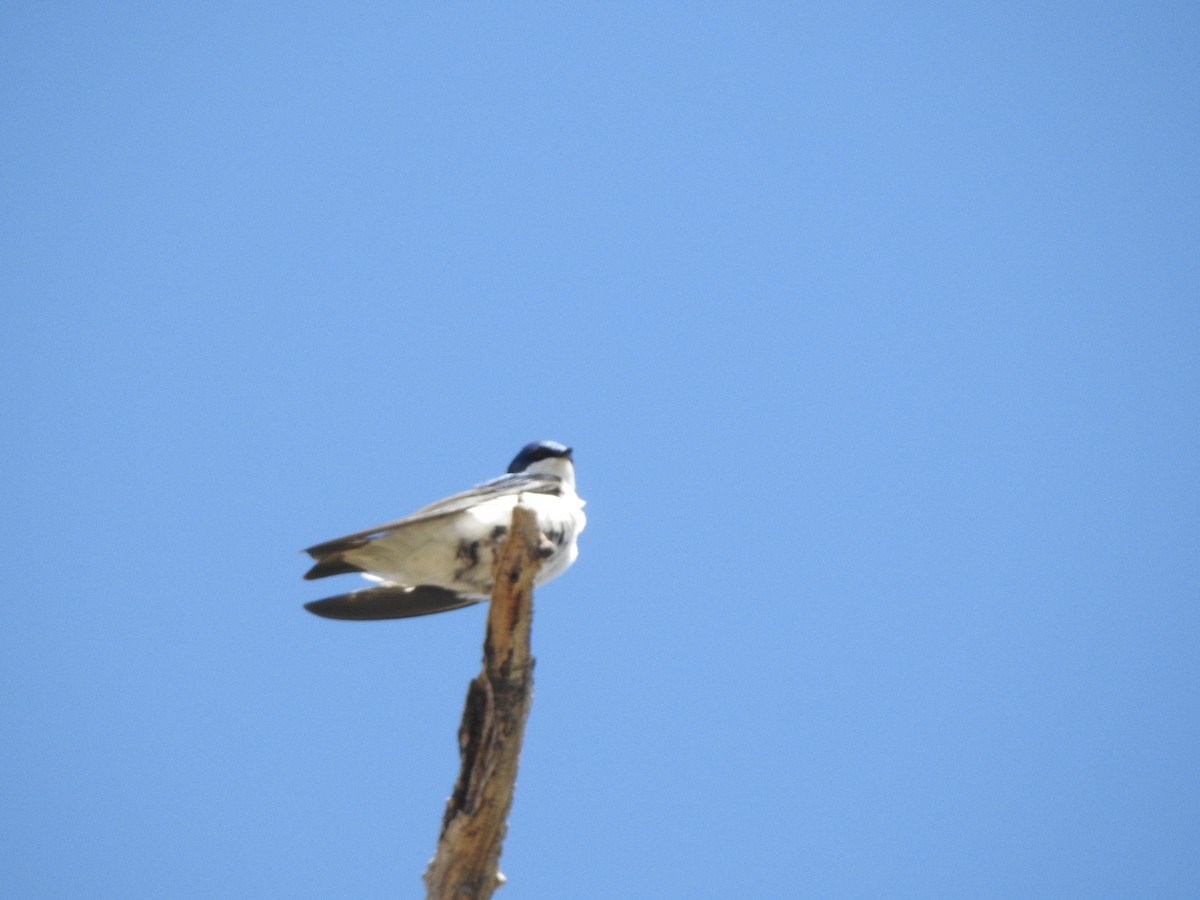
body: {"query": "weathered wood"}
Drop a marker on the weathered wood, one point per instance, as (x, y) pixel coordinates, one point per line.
(467, 863)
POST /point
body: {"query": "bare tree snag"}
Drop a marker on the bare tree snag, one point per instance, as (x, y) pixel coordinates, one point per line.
(467, 863)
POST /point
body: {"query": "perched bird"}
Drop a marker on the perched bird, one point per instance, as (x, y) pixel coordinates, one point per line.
(440, 557)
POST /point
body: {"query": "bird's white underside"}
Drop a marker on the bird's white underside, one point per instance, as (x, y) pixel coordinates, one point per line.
(435, 551)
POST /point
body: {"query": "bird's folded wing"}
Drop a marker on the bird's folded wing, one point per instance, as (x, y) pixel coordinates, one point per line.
(390, 601)
(536, 483)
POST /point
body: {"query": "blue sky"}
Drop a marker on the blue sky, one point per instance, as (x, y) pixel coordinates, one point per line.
(874, 328)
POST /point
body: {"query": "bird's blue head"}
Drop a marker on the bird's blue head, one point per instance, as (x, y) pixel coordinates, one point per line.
(536, 452)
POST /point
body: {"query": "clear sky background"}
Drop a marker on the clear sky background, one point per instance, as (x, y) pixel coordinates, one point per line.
(876, 329)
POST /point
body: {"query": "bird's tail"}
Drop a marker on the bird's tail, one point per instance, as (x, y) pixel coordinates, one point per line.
(391, 601)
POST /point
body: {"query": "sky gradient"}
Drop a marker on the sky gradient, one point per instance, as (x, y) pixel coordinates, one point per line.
(874, 329)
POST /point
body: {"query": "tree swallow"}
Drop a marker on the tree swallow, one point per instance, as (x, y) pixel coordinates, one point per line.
(440, 557)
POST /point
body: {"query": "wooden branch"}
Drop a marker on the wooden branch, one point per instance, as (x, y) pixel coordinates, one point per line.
(467, 863)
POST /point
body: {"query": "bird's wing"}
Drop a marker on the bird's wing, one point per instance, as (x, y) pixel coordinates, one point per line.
(505, 485)
(389, 601)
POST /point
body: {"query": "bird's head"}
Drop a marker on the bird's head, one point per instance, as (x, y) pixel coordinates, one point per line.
(547, 457)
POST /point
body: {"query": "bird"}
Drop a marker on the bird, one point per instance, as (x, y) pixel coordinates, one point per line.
(439, 558)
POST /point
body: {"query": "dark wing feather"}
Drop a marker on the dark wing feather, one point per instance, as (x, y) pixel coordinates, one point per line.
(389, 602)
(536, 483)
(331, 565)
